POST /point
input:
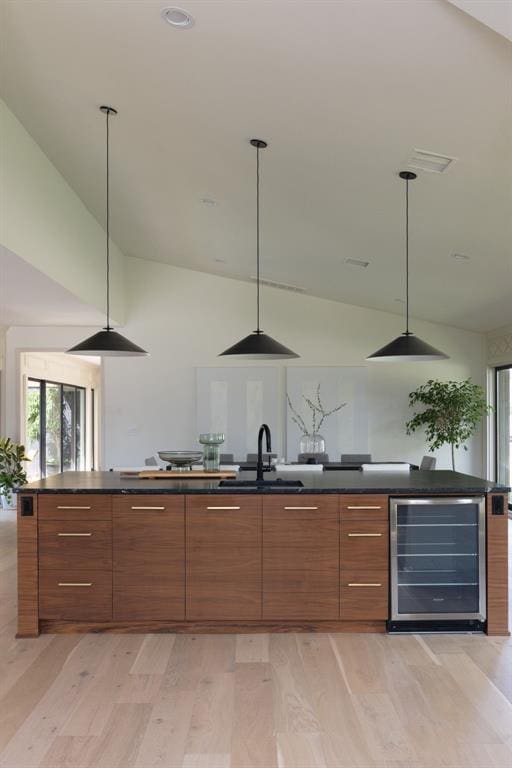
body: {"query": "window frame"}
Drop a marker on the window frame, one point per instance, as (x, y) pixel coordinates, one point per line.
(497, 369)
(42, 420)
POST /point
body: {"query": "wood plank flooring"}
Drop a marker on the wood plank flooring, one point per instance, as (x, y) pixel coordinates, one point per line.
(249, 701)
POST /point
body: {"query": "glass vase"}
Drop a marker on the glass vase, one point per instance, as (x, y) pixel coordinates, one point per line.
(211, 442)
(312, 443)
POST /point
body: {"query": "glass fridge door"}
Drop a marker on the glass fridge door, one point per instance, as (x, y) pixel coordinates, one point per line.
(438, 558)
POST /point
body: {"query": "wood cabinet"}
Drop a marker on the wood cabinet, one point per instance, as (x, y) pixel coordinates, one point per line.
(364, 557)
(75, 557)
(223, 556)
(148, 557)
(216, 562)
(300, 557)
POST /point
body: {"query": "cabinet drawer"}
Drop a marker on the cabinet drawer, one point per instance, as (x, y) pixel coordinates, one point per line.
(370, 504)
(78, 595)
(147, 502)
(364, 595)
(75, 544)
(225, 503)
(364, 542)
(74, 506)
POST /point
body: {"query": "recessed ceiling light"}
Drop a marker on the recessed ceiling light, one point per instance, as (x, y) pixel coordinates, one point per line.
(177, 17)
(357, 262)
(460, 257)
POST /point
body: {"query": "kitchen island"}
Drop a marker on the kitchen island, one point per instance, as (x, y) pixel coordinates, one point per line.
(100, 552)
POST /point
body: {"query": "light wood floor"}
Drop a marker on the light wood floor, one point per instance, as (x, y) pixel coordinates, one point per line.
(224, 701)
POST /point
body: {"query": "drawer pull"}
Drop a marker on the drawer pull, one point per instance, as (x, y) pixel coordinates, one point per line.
(148, 507)
(73, 507)
(75, 583)
(301, 507)
(362, 584)
(363, 535)
(222, 507)
(365, 506)
(74, 534)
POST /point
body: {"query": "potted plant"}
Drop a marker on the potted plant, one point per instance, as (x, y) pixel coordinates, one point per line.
(452, 412)
(311, 440)
(12, 473)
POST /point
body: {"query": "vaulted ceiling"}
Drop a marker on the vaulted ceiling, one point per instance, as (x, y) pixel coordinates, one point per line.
(28, 297)
(344, 92)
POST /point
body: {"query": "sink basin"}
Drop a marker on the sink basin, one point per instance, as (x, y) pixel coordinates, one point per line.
(263, 484)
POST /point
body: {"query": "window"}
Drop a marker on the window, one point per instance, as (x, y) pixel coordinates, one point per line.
(503, 416)
(55, 428)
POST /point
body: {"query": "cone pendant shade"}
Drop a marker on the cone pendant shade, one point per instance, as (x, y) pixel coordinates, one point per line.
(407, 347)
(257, 345)
(107, 343)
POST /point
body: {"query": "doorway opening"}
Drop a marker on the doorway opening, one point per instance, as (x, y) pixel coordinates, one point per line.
(60, 417)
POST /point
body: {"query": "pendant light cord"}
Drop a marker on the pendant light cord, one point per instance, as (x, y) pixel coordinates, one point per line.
(407, 331)
(108, 328)
(258, 330)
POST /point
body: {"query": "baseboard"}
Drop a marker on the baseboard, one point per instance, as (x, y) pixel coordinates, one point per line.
(210, 627)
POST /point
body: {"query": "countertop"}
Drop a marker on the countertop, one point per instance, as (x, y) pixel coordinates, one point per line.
(413, 482)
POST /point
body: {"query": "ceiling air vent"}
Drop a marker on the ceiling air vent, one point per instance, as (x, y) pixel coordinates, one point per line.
(423, 160)
(357, 262)
(281, 286)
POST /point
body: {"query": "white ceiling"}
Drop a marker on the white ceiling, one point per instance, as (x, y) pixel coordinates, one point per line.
(28, 297)
(496, 14)
(343, 91)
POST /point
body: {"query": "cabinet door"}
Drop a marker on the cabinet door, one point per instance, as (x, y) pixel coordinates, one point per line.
(223, 535)
(300, 557)
(149, 558)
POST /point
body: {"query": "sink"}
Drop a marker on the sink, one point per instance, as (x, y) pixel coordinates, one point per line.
(263, 484)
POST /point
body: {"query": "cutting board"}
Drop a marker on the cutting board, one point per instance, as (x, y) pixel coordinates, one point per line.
(187, 475)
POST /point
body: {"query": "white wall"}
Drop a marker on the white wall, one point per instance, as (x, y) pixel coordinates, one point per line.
(186, 318)
(43, 221)
(3, 331)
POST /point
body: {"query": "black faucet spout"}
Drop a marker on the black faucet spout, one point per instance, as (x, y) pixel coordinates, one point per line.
(264, 430)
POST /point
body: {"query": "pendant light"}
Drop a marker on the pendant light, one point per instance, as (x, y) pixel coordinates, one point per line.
(257, 345)
(107, 343)
(407, 347)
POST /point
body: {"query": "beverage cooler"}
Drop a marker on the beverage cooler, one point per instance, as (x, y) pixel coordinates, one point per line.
(437, 564)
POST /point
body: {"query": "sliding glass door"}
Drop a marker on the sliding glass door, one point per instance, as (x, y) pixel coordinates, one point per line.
(503, 414)
(55, 428)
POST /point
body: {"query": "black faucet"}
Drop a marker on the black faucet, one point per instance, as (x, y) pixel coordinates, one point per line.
(264, 430)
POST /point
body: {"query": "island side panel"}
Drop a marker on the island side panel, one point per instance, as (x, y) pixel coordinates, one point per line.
(28, 580)
(497, 569)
